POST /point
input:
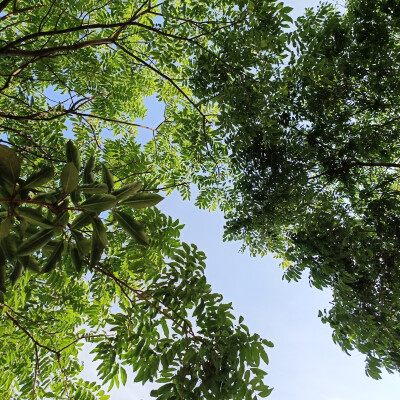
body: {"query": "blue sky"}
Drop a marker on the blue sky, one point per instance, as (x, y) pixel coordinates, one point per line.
(305, 364)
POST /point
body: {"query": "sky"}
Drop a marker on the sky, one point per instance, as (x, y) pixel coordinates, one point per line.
(304, 364)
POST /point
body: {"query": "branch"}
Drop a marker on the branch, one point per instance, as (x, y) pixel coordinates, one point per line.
(4, 4)
(15, 73)
(117, 121)
(160, 73)
(42, 53)
(374, 164)
(37, 343)
(19, 11)
(145, 297)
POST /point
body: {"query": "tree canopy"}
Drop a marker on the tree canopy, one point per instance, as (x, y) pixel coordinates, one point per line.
(85, 256)
(290, 130)
(316, 170)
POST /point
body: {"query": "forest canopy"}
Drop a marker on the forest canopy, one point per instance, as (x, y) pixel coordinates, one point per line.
(290, 128)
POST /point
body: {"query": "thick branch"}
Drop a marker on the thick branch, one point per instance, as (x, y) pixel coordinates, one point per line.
(46, 52)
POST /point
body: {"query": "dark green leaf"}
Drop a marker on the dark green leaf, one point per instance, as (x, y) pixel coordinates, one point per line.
(3, 268)
(88, 176)
(83, 219)
(131, 227)
(10, 164)
(142, 200)
(99, 203)
(72, 153)
(54, 258)
(76, 259)
(35, 242)
(93, 188)
(127, 190)
(17, 272)
(100, 231)
(5, 227)
(39, 178)
(69, 178)
(190, 353)
(107, 177)
(34, 216)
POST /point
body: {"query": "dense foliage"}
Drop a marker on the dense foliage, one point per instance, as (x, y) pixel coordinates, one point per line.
(314, 148)
(290, 130)
(85, 256)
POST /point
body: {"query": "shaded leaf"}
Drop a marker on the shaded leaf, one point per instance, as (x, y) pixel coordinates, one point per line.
(83, 219)
(39, 178)
(76, 259)
(127, 190)
(30, 263)
(3, 268)
(10, 164)
(107, 177)
(97, 250)
(72, 153)
(131, 227)
(69, 178)
(142, 200)
(35, 242)
(5, 227)
(34, 217)
(16, 274)
(100, 230)
(93, 188)
(99, 203)
(88, 176)
(82, 244)
(54, 258)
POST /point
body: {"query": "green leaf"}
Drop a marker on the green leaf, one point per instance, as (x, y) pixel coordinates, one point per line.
(88, 176)
(16, 274)
(9, 246)
(93, 188)
(76, 258)
(190, 353)
(69, 178)
(142, 200)
(82, 244)
(264, 356)
(72, 153)
(5, 227)
(54, 258)
(123, 375)
(265, 393)
(3, 269)
(34, 217)
(107, 177)
(131, 227)
(100, 230)
(99, 203)
(39, 178)
(267, 343)
(165, 327)
(49, 197)
(10, 164)
(127, 190)
(83, 219)
(35, 242)
(97, 250)
(30, 263)
(63, 218)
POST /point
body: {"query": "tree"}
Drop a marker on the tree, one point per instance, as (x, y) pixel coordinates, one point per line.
(85, 258)
(314, 150)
